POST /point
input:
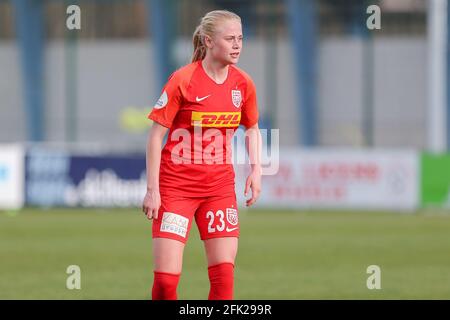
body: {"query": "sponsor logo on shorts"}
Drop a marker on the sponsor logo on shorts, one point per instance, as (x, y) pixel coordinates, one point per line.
(174, 223)
(231, 229)
(215, 119)
(232, 216)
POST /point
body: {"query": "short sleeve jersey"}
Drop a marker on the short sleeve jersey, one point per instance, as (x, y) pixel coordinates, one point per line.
(202, 117)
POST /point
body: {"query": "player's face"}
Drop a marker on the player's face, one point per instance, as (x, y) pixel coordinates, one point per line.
(226, 44)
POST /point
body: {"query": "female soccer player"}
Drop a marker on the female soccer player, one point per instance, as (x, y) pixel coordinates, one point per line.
(201, 105)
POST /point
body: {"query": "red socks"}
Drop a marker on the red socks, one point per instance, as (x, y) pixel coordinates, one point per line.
(221, 277)
(165, 286)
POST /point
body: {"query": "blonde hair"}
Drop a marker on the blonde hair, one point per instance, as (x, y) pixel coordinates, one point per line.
(207, 27)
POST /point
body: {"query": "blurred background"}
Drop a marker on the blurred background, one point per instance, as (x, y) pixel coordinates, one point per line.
(321, 75)
(362, 118)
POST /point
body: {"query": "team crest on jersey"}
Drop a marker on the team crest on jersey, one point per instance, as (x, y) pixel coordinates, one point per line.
(232, 216)
(236, 97)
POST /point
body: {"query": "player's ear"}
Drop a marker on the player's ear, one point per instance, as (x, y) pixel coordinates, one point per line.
(208, 42)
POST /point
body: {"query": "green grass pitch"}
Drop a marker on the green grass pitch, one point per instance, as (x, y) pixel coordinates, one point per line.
(282, 255)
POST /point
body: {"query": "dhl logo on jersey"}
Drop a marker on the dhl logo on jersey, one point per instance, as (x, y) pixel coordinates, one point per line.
(215, 119)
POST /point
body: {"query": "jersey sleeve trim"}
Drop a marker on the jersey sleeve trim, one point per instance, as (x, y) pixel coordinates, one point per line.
(166, 124)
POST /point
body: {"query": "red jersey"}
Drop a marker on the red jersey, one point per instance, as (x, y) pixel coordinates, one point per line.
(202, 117)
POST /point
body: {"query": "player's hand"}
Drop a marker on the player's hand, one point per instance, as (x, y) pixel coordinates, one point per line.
(253, 183)
(152, 202)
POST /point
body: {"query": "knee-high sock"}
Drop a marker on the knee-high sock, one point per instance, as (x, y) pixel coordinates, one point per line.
(221, 278)
(165, 286)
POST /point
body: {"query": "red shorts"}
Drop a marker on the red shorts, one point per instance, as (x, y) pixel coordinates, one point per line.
(216, 216)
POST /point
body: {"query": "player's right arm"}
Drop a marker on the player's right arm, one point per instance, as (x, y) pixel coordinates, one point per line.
(163, 115)
(152, 199)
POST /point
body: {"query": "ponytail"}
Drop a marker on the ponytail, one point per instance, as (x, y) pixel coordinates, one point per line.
(199, 45)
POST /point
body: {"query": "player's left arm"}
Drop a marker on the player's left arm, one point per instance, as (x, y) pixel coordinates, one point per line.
(253, 144)
(253, 141)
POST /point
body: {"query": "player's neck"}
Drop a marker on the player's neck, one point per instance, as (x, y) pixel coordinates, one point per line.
(215, 70)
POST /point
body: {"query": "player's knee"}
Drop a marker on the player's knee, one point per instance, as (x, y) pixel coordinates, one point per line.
(221, 250)
(165, 286)
(221, 277)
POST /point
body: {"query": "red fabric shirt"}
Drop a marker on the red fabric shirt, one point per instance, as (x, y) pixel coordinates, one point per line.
(202, 117)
